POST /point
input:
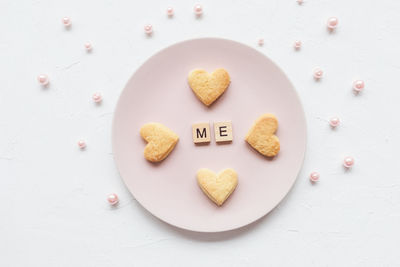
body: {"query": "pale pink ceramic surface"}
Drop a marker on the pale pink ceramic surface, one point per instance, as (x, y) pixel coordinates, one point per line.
(159, 92)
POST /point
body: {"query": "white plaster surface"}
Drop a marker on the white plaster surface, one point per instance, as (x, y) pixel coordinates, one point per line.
(52, 195)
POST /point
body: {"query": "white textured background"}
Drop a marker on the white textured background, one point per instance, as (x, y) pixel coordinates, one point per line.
(52, 195)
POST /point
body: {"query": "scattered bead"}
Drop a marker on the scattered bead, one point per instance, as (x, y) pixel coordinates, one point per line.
(88, 46)
(170, 11)
(318, 73)
(332, 23)
(148, 29)
(43, 79)
(314, 177)
(112, 199)
(198, 10)
(66, 21)
(358, 85)
(334, 122)
(297, 45)
(97, 97)
(299, 2)
(348, 162)
(260, 42)
(81, 144)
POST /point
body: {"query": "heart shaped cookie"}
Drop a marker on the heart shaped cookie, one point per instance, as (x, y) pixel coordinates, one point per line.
(161, 141)
(261, 135)
(208, 87)
(218, 187)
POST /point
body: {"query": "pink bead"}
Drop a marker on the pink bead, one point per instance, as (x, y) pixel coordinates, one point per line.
(334, 122)
(348, 162)
(297, 45)
(112, 199)
(170, 11)
(260, 42)
(198, 10)
(148, 29)
(332, 23)
(81, 144)
(97, 97)
(66, 21)
(318, 73)
(88, 46)
(43, 79)
(300, 2)
(358, 85)
(314, 177)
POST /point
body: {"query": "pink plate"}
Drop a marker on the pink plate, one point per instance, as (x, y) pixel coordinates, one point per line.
(159, 92)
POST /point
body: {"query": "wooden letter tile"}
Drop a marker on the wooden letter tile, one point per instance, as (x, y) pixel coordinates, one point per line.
(201, 133)
(223, 131)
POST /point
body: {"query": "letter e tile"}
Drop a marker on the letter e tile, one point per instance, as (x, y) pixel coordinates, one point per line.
(223, 131)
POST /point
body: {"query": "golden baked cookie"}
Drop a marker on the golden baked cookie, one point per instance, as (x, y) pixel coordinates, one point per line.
(208, 87)
(262, 136)
(161, 141)
(218, 187)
